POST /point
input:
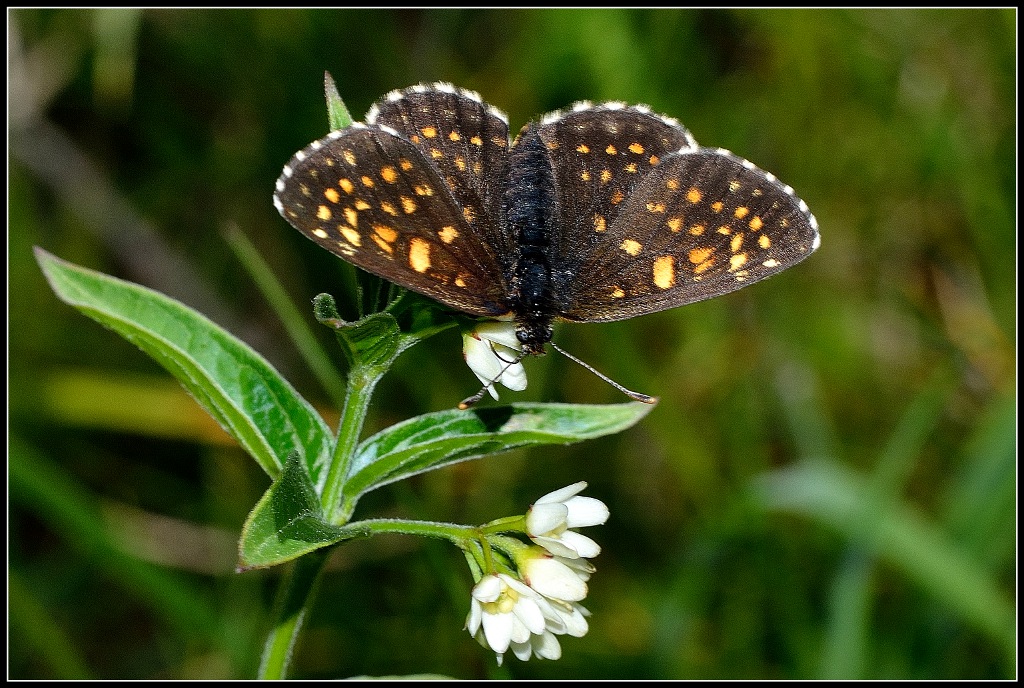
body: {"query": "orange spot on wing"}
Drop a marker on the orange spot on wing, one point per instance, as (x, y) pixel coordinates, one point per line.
(631, 246)
(386, 233)
(664, 271)
(700, 255)
(419, 254)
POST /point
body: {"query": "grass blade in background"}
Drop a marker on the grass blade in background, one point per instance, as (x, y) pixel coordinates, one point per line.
(832, 495)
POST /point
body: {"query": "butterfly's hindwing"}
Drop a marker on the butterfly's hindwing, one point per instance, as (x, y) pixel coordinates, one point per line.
(371, 197)
(702, 224)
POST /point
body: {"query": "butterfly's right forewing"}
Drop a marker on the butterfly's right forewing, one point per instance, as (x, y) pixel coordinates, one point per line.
(599, 154)
(702, 224)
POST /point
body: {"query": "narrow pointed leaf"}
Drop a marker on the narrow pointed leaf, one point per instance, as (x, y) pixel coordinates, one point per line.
(337, 114)
(235, 385)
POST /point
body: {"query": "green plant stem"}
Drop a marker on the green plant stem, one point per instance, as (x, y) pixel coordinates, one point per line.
(361, 382)
(444, 531)
(503, 525)
(294, 599)
(295, 596)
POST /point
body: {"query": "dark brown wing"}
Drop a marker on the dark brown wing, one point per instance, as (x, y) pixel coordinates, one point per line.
(463, 137)
(370, 196)
(599, 154)
(700, 224)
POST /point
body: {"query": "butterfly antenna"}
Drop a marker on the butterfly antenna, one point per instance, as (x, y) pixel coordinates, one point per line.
(635, 396)
(469, 401)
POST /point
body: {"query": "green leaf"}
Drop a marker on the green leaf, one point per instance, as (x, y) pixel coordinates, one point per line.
(235, 385)
(374, 341)
(438, 439)
(337, 114)
(370, 344)
(287, 522)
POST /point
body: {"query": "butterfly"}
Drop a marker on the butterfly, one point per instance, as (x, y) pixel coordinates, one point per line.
(592, 214)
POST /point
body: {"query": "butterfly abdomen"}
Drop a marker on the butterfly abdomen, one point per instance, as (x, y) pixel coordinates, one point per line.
(527, 201)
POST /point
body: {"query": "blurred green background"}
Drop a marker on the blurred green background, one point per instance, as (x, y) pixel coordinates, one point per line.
(826, 490)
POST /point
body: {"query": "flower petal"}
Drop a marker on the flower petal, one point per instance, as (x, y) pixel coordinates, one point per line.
(581, 567)
(520, 633)
(556, 546)
(488, 589)
(553, 618)
(554, 579)
(492, 362)
(542, 519)
(480, 358)
(522, 651)
(475, 617)
(586, 511)
(529, 613)
(499, 332)
(573, 621)
(562, 494)
(580, 545)
(498, 631)
(517, 585)
(546, 646)
(514, 377)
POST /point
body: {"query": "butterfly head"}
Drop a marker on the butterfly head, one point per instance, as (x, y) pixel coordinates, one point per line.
(533, 335)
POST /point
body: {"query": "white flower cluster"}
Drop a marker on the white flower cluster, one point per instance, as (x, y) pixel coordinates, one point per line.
(525, 614)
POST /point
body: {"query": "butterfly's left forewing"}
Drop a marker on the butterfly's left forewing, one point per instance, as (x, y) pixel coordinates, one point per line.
(463, 138)
(369, 196)
(701, 224)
